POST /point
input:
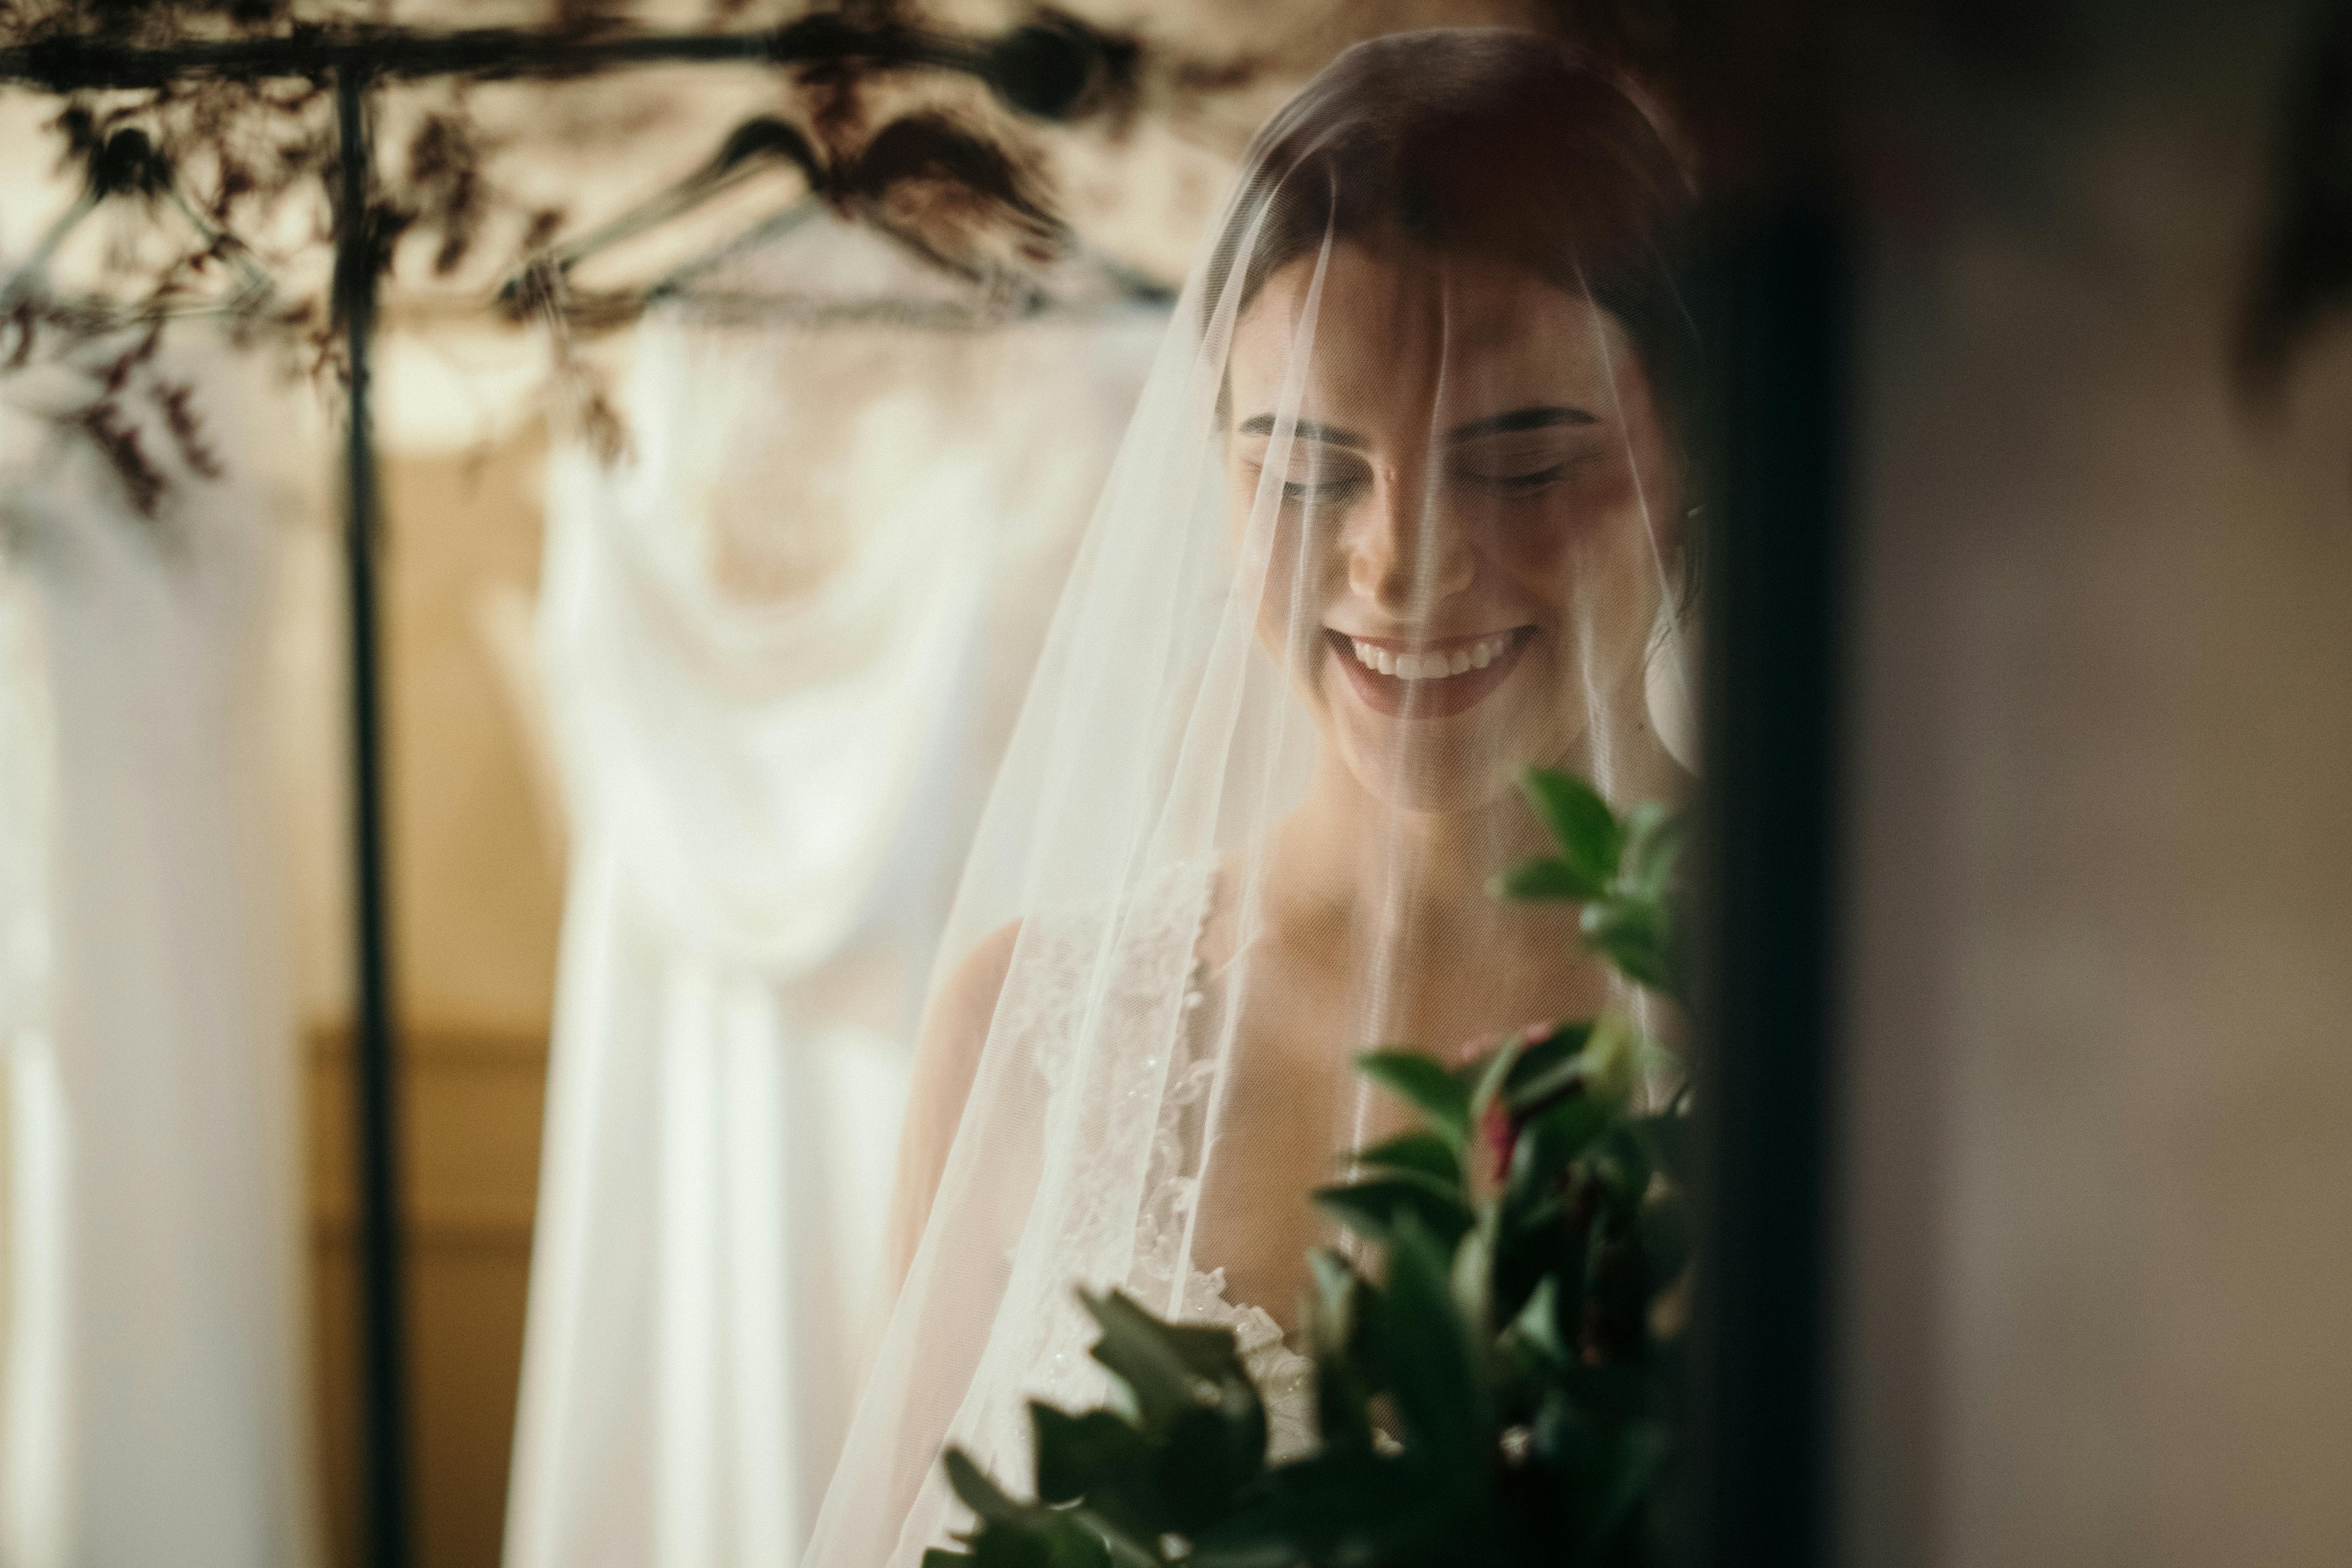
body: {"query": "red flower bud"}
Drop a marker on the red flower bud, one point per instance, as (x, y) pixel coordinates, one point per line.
(1497, 1135)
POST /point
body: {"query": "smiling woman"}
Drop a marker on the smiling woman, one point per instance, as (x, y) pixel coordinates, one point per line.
(1400, 516)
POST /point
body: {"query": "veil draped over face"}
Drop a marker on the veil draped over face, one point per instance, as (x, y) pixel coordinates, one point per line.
(1402, 514)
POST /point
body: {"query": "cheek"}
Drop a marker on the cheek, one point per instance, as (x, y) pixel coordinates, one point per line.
(1599, 525)
(1290, 602)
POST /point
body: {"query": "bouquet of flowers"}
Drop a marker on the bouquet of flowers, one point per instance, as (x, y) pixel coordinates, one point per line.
(1500, 1382)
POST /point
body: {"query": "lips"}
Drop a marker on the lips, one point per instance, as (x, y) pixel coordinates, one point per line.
(1435, 680)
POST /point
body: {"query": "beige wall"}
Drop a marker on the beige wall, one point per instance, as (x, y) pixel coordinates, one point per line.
(2100, 1189)
(476, 883)
(471, 1112)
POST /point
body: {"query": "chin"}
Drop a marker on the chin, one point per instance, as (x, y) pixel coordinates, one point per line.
(1406, 767)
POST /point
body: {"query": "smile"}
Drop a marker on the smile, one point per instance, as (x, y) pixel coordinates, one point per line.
(1430, 665)
(1430, 681)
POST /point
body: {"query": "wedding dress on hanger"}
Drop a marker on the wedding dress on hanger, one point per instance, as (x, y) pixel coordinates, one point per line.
(783, 638)
(1401, 514)
(153, 1398)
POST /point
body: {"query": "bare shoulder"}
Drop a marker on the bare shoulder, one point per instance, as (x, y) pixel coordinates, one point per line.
(947, 1061)
(967, 998)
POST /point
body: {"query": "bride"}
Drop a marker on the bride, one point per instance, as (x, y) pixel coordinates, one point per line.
(1402, 514)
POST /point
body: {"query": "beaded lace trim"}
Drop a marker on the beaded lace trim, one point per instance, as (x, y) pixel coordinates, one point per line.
(1283, 1376)
(1108, 1002)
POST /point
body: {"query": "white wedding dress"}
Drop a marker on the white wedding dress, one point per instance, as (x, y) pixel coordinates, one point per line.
(783, 639)
(153, 1406)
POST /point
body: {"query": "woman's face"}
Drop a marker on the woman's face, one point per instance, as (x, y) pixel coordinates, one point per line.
(1473, 526)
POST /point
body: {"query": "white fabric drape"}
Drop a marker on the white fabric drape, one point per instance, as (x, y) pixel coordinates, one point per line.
(151, 1410)
(783, 643)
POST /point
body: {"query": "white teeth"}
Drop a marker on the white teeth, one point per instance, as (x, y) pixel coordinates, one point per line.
(1430, 665)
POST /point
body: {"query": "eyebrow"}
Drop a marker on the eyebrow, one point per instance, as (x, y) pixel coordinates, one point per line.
(1305, 430)
(1541, 417)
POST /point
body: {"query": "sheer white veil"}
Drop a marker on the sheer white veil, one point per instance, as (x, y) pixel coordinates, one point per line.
(1400, 513)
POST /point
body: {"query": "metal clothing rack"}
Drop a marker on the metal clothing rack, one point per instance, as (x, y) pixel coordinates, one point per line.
(1044, 69)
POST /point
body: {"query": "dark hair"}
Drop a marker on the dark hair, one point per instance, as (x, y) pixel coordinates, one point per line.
(1479, 141)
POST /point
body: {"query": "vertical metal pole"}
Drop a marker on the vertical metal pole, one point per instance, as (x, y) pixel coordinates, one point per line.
(384, 1433)
(1766, 994)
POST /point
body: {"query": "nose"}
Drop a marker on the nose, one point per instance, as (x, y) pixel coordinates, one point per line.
(1404, 553)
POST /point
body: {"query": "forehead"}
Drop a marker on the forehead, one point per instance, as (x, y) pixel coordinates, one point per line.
(1396, 336)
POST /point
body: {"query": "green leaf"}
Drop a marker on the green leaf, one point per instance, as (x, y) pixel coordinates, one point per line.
(1546, 880)
(1433, 1370)
(1618, 928)
(1345, 1504)
(1590, 839)
(1061, 1541)
(1374, 1208)
(1612, 1059)
(1201, 1415)
(1095, 1456)
(1556, 1138)
(1644, 820)
(1424, 1083)
(1564, 1044)
(1422, 1153)
(1207, 1458)
(978, 1493)
(1472, 1276)
(1564, 1077)
(1022, 1535)
(1167, 1368)
(1656, 845)
(1343, 1416)
(1336, 1291)
(1635, 935)
(1346, 1328)
(1537, 1323)
(1492, 1073)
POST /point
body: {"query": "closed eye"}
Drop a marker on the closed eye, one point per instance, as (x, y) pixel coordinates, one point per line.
(1320, 488)
(1535, 481)
(1314, 475)
(1527, 481)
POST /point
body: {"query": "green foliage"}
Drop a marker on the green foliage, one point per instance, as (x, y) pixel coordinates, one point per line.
(1502, 1387)
(1416, 1153)
(1427, 1087)
(1621, 871)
